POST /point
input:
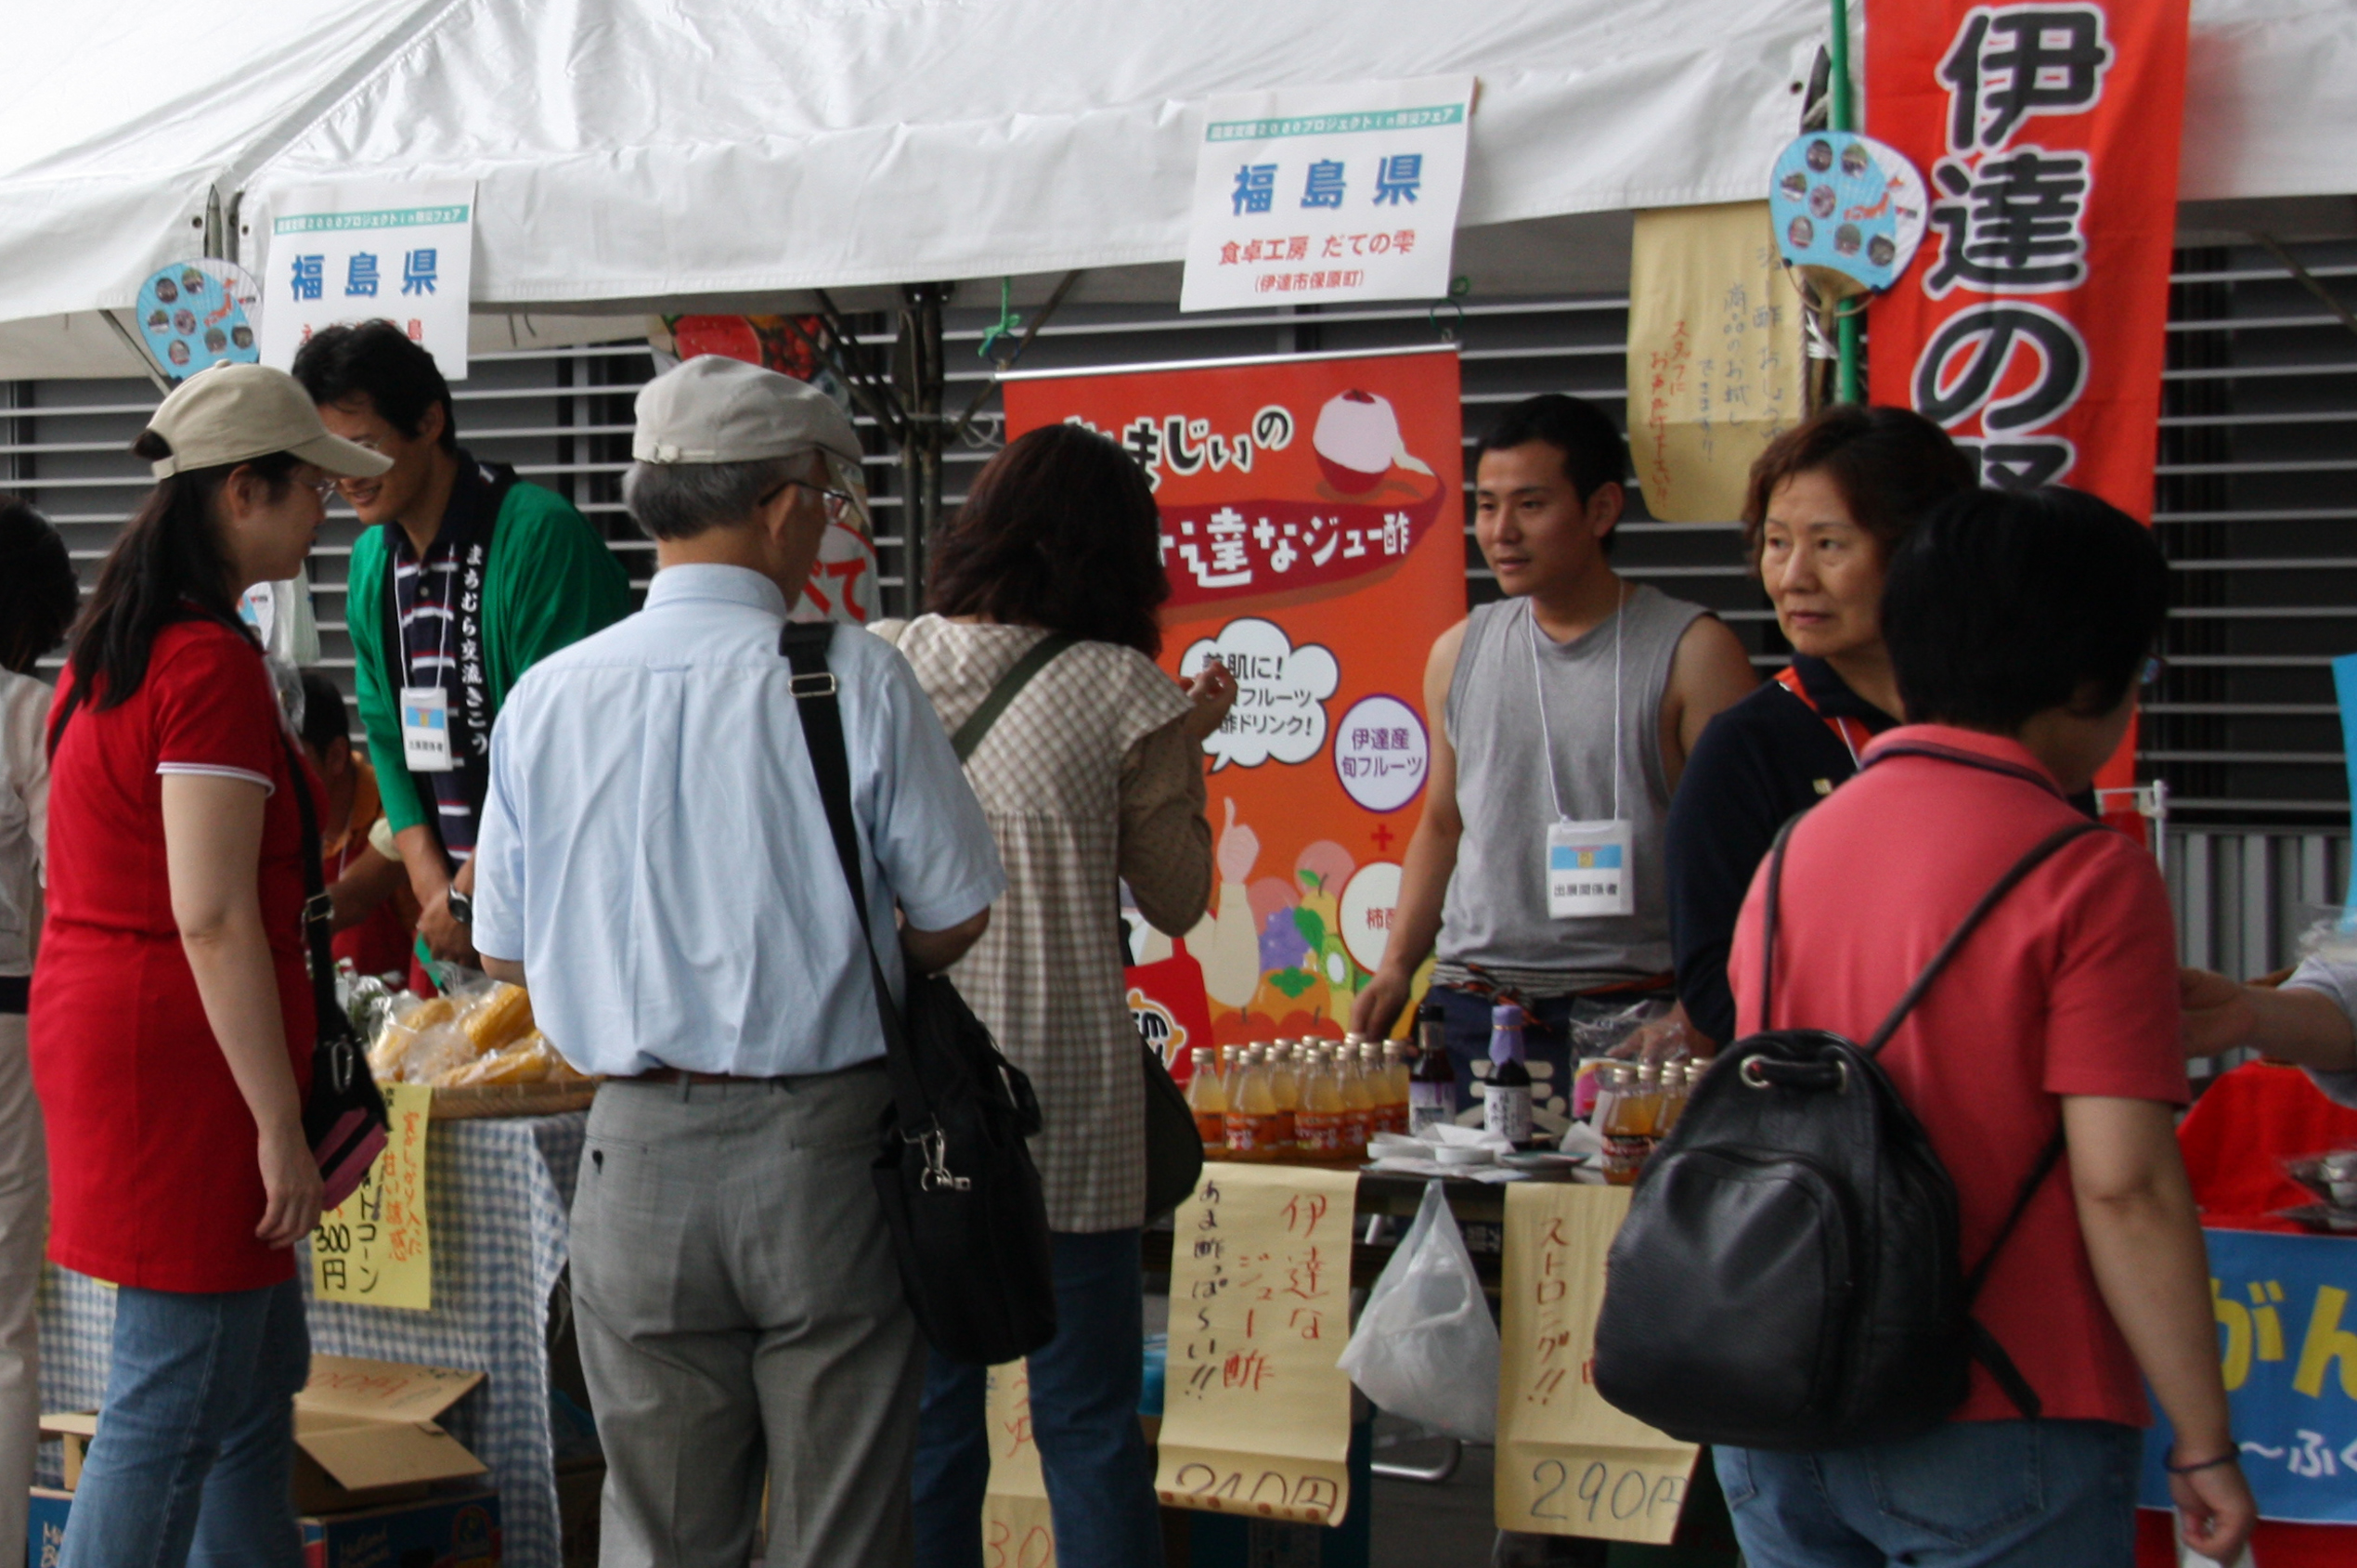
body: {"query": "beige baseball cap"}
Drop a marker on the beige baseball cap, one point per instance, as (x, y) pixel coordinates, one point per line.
(712, 408)
(235, 413)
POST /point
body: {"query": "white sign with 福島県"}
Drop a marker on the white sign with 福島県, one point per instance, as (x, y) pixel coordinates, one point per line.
(348, 253)
(1312, 195)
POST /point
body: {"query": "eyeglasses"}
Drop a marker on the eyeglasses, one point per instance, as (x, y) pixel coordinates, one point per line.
(838, 503)
(2155, 668)
(328, 488)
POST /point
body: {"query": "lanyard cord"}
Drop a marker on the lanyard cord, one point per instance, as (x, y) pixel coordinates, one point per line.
(449, 613)
(1545, 730)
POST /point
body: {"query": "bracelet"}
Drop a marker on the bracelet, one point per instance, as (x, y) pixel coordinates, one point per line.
(2206, 1464)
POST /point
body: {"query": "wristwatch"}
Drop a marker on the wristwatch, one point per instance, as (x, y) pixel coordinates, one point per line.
(461, 908)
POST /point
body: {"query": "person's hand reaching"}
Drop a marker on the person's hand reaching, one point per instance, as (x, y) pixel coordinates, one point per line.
(1213, 693)
(2215, 1013)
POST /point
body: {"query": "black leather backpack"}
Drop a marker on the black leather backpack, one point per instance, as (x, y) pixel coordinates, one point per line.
(1788, 1273)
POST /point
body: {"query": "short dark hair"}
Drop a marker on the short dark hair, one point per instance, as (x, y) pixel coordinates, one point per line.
(1594, 453)
(2003, 603)
(325, 718)
(38, 591)
(377, 358)
(1891, 465)
(1060, 530)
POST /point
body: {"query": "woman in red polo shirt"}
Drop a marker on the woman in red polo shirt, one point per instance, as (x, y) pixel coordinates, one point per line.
(171, 1015)
(2018, 624)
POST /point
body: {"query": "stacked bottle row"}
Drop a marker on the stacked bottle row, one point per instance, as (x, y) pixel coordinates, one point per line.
(1317, 1099)
(1636, 1107)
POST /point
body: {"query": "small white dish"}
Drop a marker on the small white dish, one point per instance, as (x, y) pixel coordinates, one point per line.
(1464, 1154)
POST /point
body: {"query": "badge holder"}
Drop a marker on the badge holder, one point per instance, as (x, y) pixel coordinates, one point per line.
(425, 729)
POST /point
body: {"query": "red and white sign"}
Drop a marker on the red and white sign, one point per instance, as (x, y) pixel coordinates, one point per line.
(2031, 323)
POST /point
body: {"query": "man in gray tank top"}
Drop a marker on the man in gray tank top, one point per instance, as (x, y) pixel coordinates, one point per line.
(1567, 712)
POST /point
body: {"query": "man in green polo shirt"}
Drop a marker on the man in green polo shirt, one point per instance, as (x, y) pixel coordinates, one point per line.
(465, 577)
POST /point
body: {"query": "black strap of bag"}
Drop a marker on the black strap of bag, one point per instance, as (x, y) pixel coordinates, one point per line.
(814, 687)
(1986, 1349)
(1037, 657)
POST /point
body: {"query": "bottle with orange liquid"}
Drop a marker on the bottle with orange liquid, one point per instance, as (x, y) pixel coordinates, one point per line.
(1358, 1102)
(1253, 1116)
(1317, 1125)
(1207, 1097)
(1285, 1079)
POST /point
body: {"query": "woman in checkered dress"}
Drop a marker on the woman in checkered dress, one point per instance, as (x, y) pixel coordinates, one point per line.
(1092, 778)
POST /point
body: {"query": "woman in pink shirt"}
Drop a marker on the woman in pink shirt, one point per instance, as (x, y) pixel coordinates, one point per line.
(2018, 624)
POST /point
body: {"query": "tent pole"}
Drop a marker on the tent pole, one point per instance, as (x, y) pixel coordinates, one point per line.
(920, 361)
(1844, 117)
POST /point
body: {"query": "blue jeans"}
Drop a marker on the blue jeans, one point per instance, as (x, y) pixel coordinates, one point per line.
(1084, 1392)
(194, 1460)
(1970, 1495)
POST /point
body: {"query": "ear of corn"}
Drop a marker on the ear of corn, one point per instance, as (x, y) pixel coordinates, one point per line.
(499, 1019)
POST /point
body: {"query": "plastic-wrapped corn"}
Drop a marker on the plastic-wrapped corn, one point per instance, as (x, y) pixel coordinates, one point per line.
(499, 1019)
(400, 1032)
(528, 1060)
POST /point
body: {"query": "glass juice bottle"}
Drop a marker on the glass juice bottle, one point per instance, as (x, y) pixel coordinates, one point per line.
(1431, 1083)
(1506, 1105)
(1251, 1115)
(1207, 1097)
(1319, 1124)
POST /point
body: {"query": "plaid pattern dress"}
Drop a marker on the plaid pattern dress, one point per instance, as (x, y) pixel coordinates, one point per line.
(1088, 782)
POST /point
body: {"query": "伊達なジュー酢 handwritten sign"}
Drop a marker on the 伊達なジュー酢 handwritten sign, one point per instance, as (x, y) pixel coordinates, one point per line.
(1569, 1464)
(1017, 1531)
(374, 1247)
(1256, 1417)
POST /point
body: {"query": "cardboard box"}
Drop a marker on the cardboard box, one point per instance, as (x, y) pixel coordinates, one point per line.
(365, 1434)
(446, 1530)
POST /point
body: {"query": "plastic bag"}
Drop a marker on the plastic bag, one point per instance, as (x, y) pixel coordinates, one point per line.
(1425, 1348)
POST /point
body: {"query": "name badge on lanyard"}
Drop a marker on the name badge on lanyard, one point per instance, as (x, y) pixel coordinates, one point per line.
(425, 729)
(1589, 869)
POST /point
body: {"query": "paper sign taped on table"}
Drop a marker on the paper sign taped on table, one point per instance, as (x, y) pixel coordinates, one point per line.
(376, 1248)
(1715, 357)
(1256, 1416)
(1568, 1463)
(1018, 1528)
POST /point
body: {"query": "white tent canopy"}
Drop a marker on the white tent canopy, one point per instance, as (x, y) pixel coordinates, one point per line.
(633, 150)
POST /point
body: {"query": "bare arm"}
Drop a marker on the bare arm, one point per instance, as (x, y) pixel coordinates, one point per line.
(508, 970)
(933, 951)
(2144, 1238)
(431, 880)
(1429, 861)
(213, 856)
(2305, 1028)
(1709, 674)
(367, 881)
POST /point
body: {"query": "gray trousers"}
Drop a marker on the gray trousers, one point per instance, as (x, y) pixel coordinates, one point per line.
(740, 1313)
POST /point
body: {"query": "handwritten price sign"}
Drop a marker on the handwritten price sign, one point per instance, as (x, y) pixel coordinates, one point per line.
(374, 1247)
(1017, 1530)
(1257, 1419)
(1569, 1464)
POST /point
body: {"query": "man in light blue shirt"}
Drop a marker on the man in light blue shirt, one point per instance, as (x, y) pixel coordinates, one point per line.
(655, 857)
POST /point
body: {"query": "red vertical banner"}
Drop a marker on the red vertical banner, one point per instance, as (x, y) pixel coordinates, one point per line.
(1313, 525)
(2032, 324)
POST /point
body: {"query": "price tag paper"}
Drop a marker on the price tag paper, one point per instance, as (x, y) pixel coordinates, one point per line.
(1569, 1464)
(1017, 1531)
(1256, 1419)
(374, 1247)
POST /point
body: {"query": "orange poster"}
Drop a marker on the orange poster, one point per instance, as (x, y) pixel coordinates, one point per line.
(1313, 525)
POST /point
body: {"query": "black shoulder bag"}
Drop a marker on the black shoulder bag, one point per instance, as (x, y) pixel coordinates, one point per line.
(1173, 1145)
(960, 1193)
(1790, 1275)
(344, 1116)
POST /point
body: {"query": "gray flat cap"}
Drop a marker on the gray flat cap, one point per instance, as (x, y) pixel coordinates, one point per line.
(712, 408)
